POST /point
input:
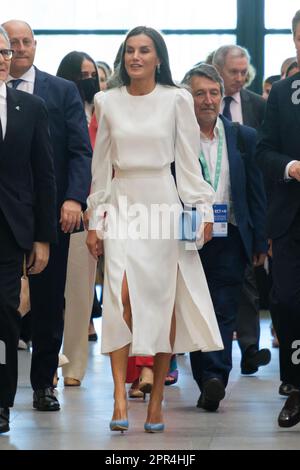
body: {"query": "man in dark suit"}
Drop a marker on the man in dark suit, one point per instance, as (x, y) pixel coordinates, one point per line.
(248, 108)
(27, 212)
(72, 161)
(238, 185)
(278, 156)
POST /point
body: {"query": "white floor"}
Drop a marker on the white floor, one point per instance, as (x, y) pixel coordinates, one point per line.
(247, 418)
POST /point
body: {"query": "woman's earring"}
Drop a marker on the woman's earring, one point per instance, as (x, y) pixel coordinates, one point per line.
(158, 68)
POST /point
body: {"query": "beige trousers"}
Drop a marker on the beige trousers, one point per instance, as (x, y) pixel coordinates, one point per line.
(79, 296)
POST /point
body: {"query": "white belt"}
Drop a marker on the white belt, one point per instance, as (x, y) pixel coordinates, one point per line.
(143, 173)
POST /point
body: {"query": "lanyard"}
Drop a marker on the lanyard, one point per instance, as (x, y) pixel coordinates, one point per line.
(218, 165)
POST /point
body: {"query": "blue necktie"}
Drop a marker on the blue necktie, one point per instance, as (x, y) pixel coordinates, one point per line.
(15, 83)
(226, 110)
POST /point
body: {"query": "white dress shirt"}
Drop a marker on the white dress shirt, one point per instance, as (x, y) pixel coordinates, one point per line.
(235, 108)
(3, 108)
(28, 81)
(210, 150)
(287, 169)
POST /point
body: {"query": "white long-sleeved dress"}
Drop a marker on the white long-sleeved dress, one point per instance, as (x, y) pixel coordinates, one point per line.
(139, 137)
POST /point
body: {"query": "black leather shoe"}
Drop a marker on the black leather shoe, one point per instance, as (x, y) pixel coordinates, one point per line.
(253, 359)
(212, 393)
(290, 413)
(45, 400)
(4, 420)
(286, 389)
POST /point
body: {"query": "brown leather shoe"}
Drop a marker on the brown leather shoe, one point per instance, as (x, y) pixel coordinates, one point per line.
(290, 414)
(70, 382)
(135, 393)
(146, 380)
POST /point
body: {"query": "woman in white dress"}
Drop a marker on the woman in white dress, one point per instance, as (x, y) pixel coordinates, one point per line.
(156, 300)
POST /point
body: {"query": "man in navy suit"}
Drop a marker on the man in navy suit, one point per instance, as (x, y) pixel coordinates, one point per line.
(248, 108)
(72, 161)
(227, 161)
(27, 212)
(278, 154)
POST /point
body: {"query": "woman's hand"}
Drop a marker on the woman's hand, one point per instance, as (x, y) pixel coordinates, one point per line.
(94, 244)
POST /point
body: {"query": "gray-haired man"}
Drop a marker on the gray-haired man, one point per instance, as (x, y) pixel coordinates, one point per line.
(248, 108)
(240, 196)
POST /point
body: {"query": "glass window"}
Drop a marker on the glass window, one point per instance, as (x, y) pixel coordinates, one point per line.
(184, 50)
(279, 14)
(51, 49)
(284, 47)
(95, 14)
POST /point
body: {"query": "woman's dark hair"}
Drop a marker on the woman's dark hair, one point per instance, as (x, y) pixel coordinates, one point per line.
(163, 76)
(70, 68)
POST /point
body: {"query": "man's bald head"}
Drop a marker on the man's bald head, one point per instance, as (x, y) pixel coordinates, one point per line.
(17, 23)
(23, 43)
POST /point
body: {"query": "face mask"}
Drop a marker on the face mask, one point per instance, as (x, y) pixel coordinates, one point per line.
(88, 89)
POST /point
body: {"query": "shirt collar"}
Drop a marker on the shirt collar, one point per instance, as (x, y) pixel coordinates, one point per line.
(3, 90)
(218, 126)
(236, 97)
(28, 76)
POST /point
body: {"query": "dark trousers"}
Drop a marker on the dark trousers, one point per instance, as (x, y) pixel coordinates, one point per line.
(286, 285)
(247, 323)
(47, 307)
(224, 261)
(25, 333)
(11, 262)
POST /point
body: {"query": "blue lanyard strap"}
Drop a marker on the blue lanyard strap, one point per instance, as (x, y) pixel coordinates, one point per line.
(218, 165)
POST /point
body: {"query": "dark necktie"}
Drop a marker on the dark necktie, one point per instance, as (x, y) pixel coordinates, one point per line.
(1, 132)
(226, 110)
(15, 83)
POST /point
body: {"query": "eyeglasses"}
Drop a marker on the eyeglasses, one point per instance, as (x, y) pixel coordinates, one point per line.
(6, 53)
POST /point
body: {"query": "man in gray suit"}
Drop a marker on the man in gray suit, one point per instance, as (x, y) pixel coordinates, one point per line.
(248, 108)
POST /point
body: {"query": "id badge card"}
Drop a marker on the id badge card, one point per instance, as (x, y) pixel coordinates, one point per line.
(220, 227)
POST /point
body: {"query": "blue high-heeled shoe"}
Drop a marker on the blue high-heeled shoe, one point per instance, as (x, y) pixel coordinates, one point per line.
(119, 425)
(156, 427)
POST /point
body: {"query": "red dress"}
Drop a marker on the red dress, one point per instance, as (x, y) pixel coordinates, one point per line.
(135, 365)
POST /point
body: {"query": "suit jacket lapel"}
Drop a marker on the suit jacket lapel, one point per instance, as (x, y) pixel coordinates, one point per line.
(40, 84)
(15, 118)
(247, 111)
(234, 159)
